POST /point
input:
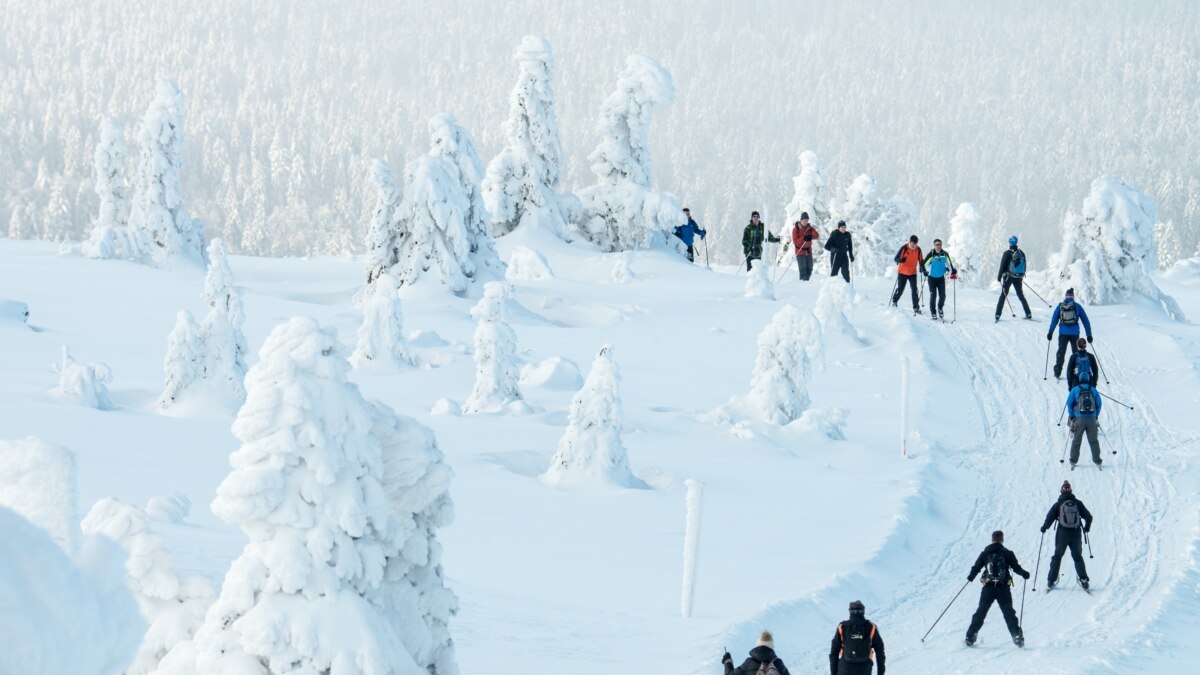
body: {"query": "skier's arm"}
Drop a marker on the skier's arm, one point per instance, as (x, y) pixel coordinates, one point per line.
(1085, 515)
(1099, 401)
(1084, 318)
(835, 650)
(1054, 318)
(746, 238)
(953, 269)
(1071, 403)
(1050, 517)
(976, 567)
(899, 255)
(1004, 260)
(772, 238)
(1016, 566)
(877, 645)
(850, 245)
(782, 668)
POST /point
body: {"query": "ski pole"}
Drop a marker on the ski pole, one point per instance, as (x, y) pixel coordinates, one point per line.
(1102, 371)
(895, 285)
(1036, 567)
(1070, 432)
(921, 295)
(1110, 445)
(1010, 309)
(1089, 542)
(1046, 367)
(954, 281)
(935, 623)
(1060, 415)
(1021, 621)
(706, 265)
(1039, 295)
(1126, 405)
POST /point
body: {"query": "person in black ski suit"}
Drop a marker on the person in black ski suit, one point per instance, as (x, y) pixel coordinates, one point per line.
(752, 239)
(841, 251)
(1093, 369)
(996, 561)
(854, 642)
(763, 652)
(1073, 520)
(1008, 276)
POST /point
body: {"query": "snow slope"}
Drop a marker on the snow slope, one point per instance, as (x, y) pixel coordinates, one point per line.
(795, 524)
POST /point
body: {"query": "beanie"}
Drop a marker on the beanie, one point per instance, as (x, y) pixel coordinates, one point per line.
(804, 215)
(1070, 293)
(841, 223)
(1012, 241)
(766, 640)
(1066, 486)
(857, 607)
(1081, 343)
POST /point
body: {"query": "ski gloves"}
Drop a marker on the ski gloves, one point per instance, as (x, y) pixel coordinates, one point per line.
(727, 658)
(1089, 339)
(1049, 336)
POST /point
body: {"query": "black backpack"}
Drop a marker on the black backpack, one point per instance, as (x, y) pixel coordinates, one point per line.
(1085, 402)
(1067, 315)
(996, 571)
(1068, 515)
(857, 638)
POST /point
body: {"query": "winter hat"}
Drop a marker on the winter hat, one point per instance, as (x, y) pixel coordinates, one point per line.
(841, 223)
(804, 215)
(754, 213)
(766, 640)
(1070, 293)
(858, 608)
(1081, 343)
(913, 239)
(998, 537)
(1012, 241)
(1066, 486)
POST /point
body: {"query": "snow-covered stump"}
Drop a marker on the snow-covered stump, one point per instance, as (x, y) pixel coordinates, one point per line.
(84, 384)
(691, 545)
(183, 365)
(779, 385)
(173, 607)
(904, 377)
(526, 264)
(590, 454)
(622, 271)
(964, 245)
(37, 480)
(496, 374)
(381, 341)
(834, 301)
(758, 281)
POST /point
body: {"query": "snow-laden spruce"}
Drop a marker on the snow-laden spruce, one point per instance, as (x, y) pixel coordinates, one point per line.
(590, 454)
(173, 607)
(964, 245)
(38, 481)
(111, 237)
(811, 194)
(341, 500)
(879, 226)
(381, 341)
(383, 239)
(779, 385)
(758, 281)
(835, 301)
(85, 384)
(159, 213)
(621, 211)
(449, 140)
(496, 372)
(523, 181)
(1108, 253)
(183, 365)
(526, 264)
(221, 331)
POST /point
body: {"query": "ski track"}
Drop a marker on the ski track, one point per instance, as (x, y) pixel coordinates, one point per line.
(1017, 465)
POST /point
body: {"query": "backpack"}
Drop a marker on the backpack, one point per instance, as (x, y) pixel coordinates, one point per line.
(1085, 402)
(1016, 264)
(937, 266)
(1083, 367)
(1068, 514)
(1067, 315)
(996, 571)
(767, 668)
(856, 641)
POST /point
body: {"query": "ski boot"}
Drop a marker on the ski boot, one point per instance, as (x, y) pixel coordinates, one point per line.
(1019, 640)
(969, 641)
(1085, 584)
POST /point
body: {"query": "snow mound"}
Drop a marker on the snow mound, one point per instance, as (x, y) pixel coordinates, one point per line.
(622, 271)
(758, 282)
(779, 386)
(526, 264)
(552, 373)
(37, 480)
(84, 384)
(835, 301)
(173, 508)
(446, 407)
(831, 422)
(14, 311)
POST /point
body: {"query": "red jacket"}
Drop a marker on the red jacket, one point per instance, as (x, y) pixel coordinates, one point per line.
(804, 247)
(909, 260)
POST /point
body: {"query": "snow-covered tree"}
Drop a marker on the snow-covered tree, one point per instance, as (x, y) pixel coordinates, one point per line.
(159, 212)
(221, 334)
(758, 281)
(621, 211)
(39, 481)
(84, 384)
(879, 226)
(1108, 253)
(523, 181)
(526, 264)
(779, 385)
(111, 236)
(173, 607)
(811, 338)
(811, 193)
(381, 336)
(964, 245)
(454, 143)
(590, 453)
(496, 373)
(383, 240)
(1169, 245)
(834, 302)
(341, 500)
(183, 366)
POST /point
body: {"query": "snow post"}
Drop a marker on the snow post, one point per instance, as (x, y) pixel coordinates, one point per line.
(691, 544)
(904, 406)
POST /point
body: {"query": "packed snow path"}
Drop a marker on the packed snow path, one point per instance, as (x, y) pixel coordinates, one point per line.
(1143, 501)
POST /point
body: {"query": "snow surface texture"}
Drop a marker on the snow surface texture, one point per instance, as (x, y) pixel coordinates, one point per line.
(37, 480)
(496, 366)
(341, 500)
(381, 341)
(964, 249)
(172, 607)
(63, 613)
(14, 311)
(83, 384)
(553, 373)
(590, 455)
(779, 386)
(622, 212)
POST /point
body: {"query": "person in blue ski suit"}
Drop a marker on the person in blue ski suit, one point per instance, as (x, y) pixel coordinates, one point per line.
(1067, 316)
(1084, 417)
(687, 233)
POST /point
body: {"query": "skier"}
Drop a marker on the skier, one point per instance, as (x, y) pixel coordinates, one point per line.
(1012, 273)
(841, 251)
(752, 240)
(1083, 366)
(762, 659)
(1067, 317)
(908, 261)
(996, 561)
(1083, 411)
(687, 233)
(938, 261)
(1072, 518)
(854, 643)
(803, 236)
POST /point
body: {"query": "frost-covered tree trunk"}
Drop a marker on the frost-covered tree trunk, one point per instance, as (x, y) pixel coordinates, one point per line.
(758, 281)
(621, 211)
(590, 453)
(522, 182)
(381, 336)
(964, 245)
(159, 213)
(221, 331)
(183, 366)
(1108, 253)
(341, 500)
(779, 385)
(84, 384)
(111, 236)
(496, 373)
(173, 607)
(383, 239)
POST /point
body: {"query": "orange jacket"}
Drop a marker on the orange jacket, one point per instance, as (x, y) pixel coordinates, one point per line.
(804, 247)
(909, 259)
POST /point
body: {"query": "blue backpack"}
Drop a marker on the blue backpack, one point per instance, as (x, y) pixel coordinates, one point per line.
(937, 266)
(1016, 264)
(1083, 367)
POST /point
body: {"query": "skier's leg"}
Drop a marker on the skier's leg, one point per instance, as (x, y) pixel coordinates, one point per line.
(1092, 427)
(1020, 286)
(912, 286)
(1077, 553)
(845, 258)
(899, 288)
(986, 597)
(691, 252)
(1063, 341)
(1004, 599)
(1076, 425)
(941, 284)
(1060, 547)
(1003, 296)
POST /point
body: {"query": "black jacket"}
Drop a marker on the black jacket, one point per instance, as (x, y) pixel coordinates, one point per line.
(1009, 556)
(1073, 375)
(1085, 516)
(759, 655)
(837, 666)
(1004, 261)
(840, 243)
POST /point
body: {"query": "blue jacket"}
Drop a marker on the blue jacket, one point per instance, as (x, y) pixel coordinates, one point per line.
(688, 231)
(1075, 395)
(1071, 330)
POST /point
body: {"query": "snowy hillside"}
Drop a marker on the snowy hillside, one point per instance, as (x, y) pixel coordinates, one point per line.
(807, 504)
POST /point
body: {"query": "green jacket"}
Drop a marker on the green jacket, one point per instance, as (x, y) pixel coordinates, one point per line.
(752, 240)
